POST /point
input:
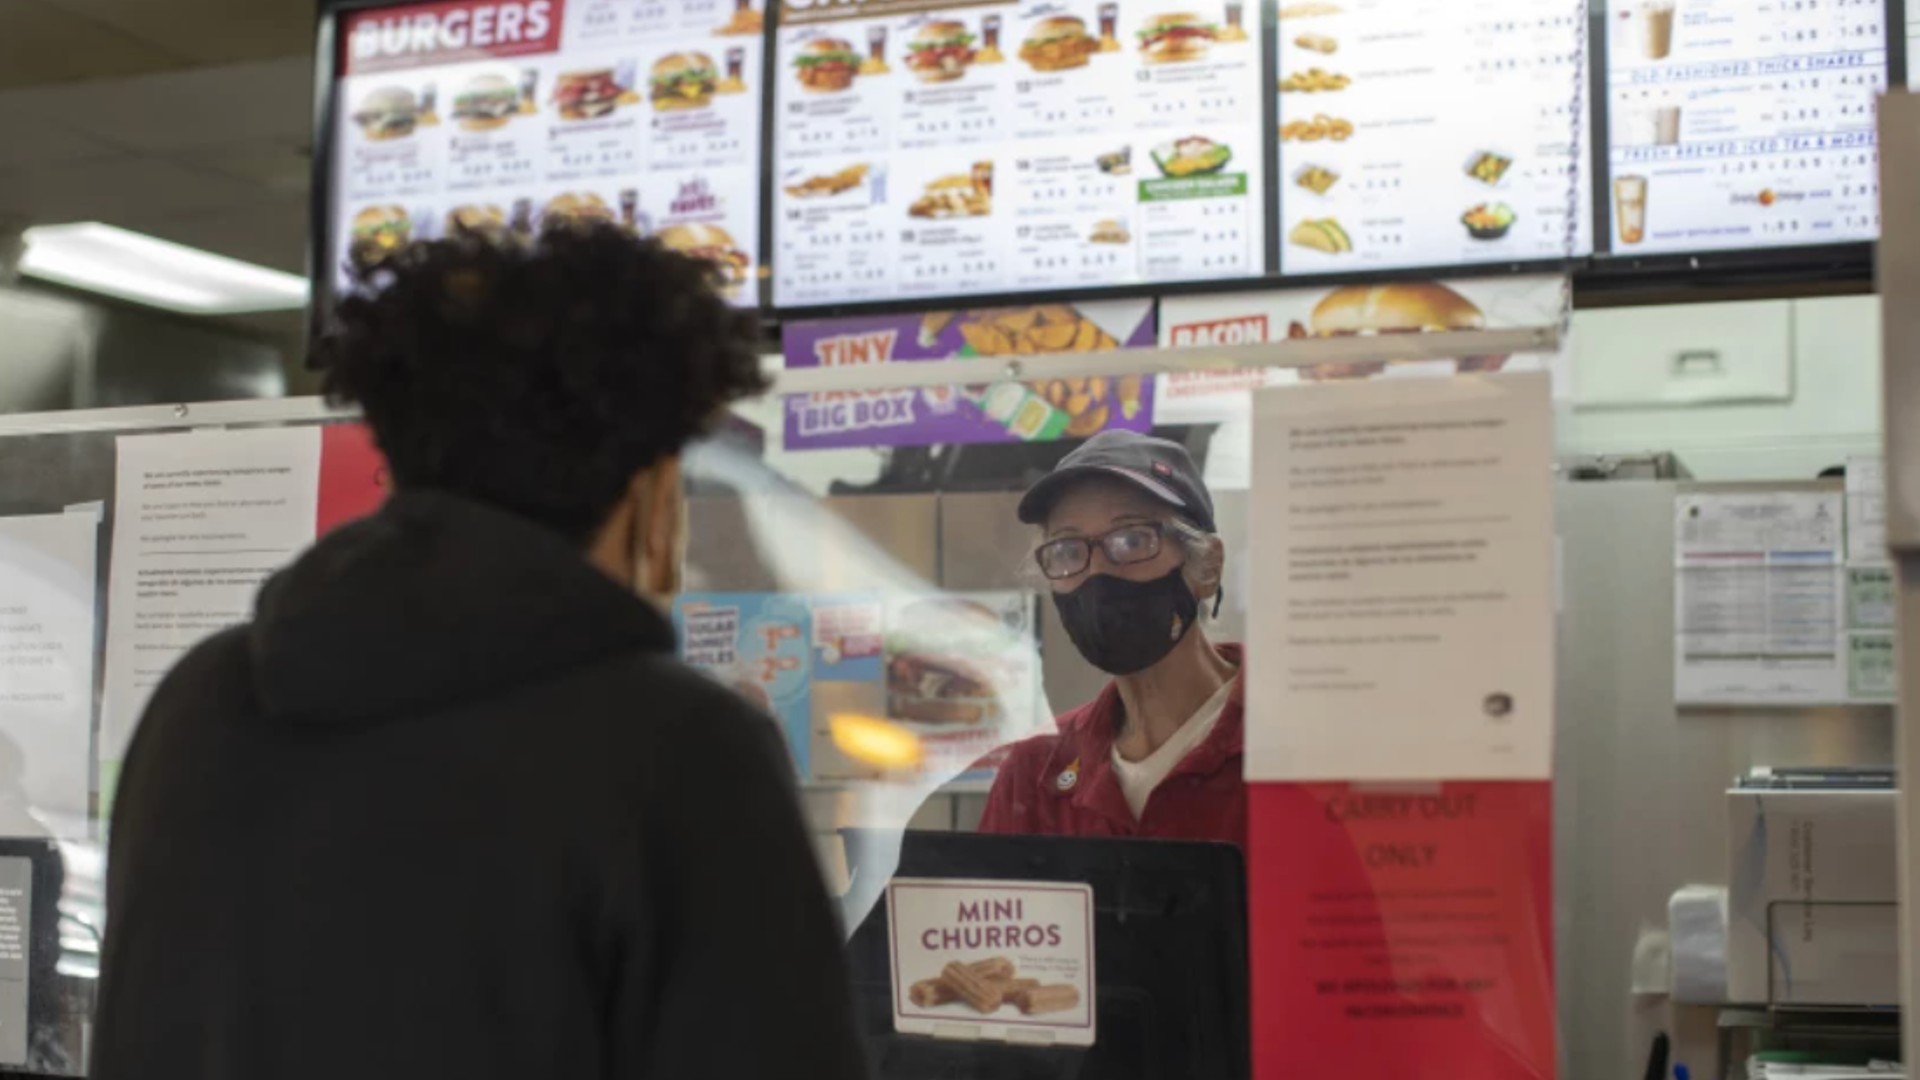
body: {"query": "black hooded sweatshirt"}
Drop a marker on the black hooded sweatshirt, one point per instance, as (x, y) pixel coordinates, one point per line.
(449, 807)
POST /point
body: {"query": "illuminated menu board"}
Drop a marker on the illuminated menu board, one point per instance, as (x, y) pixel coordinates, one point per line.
(952, 149)
(1913, 45)
(1737, 124)
(1417, 134)
(517, 115)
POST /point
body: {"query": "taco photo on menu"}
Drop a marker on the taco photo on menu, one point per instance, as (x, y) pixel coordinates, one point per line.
(1060, 43)
(714, 245)
(486, 103)
(683, 80)
(1176, 38)
(587, 95)
(826, 65)
(389, 113)
(940, 51)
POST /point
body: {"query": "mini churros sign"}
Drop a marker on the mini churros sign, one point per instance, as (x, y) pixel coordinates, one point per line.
(999, 960)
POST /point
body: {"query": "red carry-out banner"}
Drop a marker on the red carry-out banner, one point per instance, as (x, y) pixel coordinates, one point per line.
(1402, 931)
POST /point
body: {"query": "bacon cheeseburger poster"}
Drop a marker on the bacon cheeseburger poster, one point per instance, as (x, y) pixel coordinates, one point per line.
(1007, 411)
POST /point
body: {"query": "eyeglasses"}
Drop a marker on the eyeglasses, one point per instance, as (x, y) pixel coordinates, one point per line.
(1070, 556)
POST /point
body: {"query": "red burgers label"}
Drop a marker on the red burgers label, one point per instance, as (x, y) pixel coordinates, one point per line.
(1247, 330)
(461, 31)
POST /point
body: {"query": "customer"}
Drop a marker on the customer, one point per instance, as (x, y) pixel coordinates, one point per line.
(449, 807)
(1127, 543)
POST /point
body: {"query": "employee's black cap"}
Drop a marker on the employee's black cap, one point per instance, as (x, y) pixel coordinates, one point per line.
(1160, 468)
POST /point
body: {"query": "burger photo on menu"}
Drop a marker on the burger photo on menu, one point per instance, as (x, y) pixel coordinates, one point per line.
(1177, 38)
(486, 103)
(940, 51)
(1411, 307)
(712, 244)
(683, 80)
(574, 209)
(388, 113)
(826, 65)
(1192, 156)
(1059, 43)
(588, 95)
(476, 219)
(949, 662)
(378, 233)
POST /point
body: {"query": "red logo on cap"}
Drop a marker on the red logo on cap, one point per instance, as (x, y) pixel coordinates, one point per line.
(1161, 468)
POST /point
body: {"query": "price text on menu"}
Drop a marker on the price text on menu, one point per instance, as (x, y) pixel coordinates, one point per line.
(949, 149)
(515, 116)
(1414, 133)
(1738, 124)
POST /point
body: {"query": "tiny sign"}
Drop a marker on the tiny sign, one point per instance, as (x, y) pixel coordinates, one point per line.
(993, 960)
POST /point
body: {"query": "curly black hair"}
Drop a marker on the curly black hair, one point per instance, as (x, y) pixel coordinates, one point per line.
(541, 377)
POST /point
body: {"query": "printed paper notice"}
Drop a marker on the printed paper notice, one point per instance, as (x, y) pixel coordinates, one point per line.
(1866, 511)
(200, 521)
(999, 960)
(1759, 603)
(46, 671)
(1403, 581)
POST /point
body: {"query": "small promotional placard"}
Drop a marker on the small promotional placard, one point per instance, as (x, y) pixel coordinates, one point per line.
(993, 960)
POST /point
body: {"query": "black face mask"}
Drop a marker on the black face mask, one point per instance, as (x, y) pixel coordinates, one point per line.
(1125, 627)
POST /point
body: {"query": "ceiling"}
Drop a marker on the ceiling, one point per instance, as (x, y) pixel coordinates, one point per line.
(187, 119)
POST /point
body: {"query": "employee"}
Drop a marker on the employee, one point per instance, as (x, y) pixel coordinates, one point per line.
(1127, 545)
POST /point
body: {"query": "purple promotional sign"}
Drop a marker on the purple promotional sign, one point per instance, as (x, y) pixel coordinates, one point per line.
(1065, 408)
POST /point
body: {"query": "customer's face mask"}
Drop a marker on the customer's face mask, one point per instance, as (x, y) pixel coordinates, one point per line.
(1125, 627)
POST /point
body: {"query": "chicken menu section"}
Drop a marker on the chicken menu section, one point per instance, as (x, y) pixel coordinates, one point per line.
(1741, 124)
(520, 115)
(950, 149)
(1424, 134)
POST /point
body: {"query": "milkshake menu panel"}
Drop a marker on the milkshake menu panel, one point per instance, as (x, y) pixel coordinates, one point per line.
(1743, 123)
(1415, 133)
(512, 116)
(951, 149)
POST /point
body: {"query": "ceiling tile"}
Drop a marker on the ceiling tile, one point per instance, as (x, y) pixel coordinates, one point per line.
(182, 109)
(208, 31)
(268, 233)
(116, 188)
(278, 168)
(40, 43)
(26, 139)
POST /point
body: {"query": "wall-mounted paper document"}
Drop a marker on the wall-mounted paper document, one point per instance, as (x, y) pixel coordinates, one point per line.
(1402, 605)
(200, 521)
(46, 672)
(1759, 598)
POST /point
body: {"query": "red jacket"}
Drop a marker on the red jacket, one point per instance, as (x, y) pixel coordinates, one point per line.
(1063, 784)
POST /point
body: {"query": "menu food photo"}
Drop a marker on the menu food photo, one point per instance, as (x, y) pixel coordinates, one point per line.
(1412, 135)
(949, 149)
(515, 116)
(1736, 124)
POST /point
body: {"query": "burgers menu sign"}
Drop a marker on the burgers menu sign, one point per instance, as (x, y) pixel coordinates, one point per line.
(512, 116)
(940, 149)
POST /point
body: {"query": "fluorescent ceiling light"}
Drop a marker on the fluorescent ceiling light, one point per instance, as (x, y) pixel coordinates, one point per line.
(102, 259)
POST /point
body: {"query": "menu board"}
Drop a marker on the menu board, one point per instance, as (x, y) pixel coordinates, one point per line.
(951, 149)
(1737, 124)
(1913, 45)
(519, 115)
(1414, 133)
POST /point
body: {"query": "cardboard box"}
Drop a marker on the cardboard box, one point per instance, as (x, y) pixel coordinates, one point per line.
(1813, 910)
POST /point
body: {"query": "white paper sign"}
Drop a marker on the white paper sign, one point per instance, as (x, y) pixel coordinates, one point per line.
(1402, 585)
(46, 672)
(993, 960)
(200, 521)
(1866, 511)
(1759, 614)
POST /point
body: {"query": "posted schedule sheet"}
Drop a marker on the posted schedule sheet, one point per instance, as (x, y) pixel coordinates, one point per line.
(46, 669)
(1403, 549)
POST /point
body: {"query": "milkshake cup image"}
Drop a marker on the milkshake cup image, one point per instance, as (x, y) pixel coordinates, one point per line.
(1657, 19)
(1666, 125)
